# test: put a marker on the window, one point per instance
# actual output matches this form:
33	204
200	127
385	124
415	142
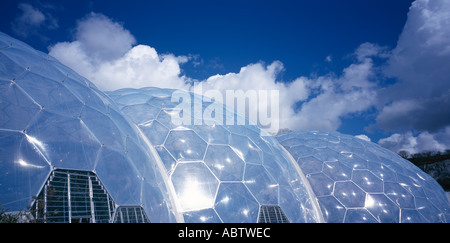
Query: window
130	214
271	214
71	196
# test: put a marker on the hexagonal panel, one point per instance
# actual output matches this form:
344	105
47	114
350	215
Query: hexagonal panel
367	181
22	171
337	171
245	149
106	132
349	194
51	95
141	113
124	189
195	186
321	184
235	204
224	162
154	131
65	141
16	107
185	145
261	185
384	210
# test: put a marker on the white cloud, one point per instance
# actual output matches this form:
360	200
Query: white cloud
309	103
31	20
103	52
420	61
415	144
420	100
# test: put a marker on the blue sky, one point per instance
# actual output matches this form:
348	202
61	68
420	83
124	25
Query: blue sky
359	67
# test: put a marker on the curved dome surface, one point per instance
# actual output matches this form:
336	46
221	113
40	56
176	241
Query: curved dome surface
359	181
51	118
220	173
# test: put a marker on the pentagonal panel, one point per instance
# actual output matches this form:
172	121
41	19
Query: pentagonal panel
185	145
195	186
224	162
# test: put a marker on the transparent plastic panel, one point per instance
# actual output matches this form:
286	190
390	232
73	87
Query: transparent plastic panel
261	185
227	152
235	204
65	141
70	124
23	171
195	186
155	204
9	69
106	132
53	96
16	107
225	163
202	216
185	145
117	174
141	113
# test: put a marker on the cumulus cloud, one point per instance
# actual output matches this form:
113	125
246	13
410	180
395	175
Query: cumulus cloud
104	52
420	62
310	103
32	19
420	100
421	142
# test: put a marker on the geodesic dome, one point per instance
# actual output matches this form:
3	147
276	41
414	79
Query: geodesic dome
359	181
66	150
71	153
220	173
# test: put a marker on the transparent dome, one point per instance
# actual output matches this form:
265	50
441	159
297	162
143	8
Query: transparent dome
359	181
219	173
52	119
